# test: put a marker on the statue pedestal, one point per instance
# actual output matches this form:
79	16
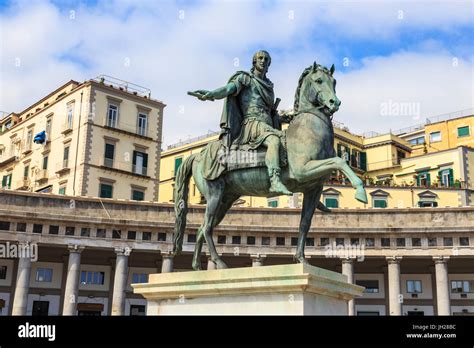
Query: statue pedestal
268	290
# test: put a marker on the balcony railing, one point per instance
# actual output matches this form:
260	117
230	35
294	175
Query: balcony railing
27	146
62	166
66	127
23	183
42	174
139	169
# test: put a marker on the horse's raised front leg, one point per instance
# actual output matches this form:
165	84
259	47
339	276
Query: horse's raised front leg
310	200
315	169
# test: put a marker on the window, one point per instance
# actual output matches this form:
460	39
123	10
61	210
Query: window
21	227
140	162
221	239
26	172
331	202
369	242
137	310
92	278
309	241
236	239
344	152
139	278
112	116
40	308
280	240
100	233
265	240
400	242
70	231
70	115
464	241
446	177
109	155
66	157
161	237
116	234
448	241
44	275
423	179
414	286
29	140
380	202
355	241
7	181
363	161
5	225
385	242
416	242
324	241
355	158
177	163
273	203
138	195
463	131
339	241
37	228
191	238
462	286
142	121
3	272
106	191
53	229
371	286
251	240
432	242
146	236
435	136
294	241
400	156
45	162
49	123
62	190
85	232
427	204
417	141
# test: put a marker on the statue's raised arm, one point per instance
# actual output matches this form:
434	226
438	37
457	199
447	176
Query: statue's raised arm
218	93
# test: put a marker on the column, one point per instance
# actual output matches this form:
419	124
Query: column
120	281
71	291
442	285
394	291
167	262
22	288
257	260
348	270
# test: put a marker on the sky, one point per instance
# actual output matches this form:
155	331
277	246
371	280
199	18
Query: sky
397	62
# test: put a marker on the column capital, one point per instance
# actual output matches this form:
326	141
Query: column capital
393	259
123	251
441	259
349	260
75	248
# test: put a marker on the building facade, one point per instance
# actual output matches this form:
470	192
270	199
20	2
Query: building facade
412	261
101	138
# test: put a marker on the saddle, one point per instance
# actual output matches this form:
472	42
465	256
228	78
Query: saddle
242	158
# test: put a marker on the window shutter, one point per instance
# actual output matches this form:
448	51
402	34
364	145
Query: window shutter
134	158
428	179
451	177
145	160
339	150
177	163
363	161
418	180
4	181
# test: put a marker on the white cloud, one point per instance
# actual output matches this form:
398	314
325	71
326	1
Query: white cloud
172	55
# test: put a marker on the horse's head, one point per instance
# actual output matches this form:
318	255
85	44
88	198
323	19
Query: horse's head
317	89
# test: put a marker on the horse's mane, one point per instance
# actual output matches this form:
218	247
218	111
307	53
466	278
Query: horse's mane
300	83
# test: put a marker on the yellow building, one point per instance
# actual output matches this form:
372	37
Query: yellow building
394	176
102	138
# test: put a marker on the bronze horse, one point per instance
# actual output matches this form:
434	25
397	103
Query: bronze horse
311	159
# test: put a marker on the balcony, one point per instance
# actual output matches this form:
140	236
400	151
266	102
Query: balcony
7	158
27	147
42	175
23	184
62	167
140	170
66	128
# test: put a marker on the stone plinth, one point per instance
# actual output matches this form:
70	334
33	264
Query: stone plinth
268	290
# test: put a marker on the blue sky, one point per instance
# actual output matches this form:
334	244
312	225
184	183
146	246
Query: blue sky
415	52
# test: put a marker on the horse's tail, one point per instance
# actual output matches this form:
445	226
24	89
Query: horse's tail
180	194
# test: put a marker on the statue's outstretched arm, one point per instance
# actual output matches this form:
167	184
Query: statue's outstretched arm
218	93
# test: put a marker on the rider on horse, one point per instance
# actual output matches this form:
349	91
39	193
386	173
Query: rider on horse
249	118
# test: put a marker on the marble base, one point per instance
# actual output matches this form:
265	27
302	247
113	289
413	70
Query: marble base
295	289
